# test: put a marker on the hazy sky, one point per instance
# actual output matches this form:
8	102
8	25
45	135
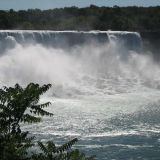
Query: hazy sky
46	4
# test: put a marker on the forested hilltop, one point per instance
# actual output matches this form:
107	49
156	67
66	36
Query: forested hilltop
90	18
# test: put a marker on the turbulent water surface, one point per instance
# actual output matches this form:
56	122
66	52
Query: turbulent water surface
106	91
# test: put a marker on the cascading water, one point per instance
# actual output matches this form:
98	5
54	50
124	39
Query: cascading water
105	89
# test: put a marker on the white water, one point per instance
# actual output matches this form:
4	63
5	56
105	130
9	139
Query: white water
103	94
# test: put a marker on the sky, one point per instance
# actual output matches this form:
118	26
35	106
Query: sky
49	4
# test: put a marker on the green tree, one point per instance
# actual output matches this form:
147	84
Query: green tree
19	105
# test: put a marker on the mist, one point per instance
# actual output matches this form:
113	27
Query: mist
86	69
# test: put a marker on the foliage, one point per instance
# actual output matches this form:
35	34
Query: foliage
15	101
14	146
21	105
64	152
93	17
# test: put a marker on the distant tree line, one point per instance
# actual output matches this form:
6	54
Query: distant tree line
89	18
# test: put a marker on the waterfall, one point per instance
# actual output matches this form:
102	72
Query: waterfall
65	39
105	88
